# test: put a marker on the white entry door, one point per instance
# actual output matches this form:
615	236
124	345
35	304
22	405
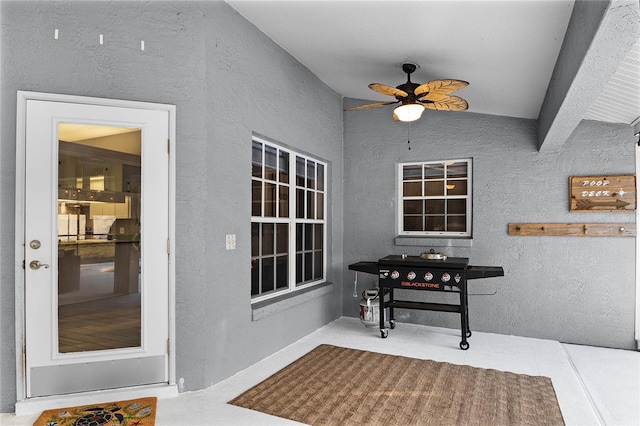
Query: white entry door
96	238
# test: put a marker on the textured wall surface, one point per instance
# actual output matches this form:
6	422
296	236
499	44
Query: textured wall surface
578	290
227	80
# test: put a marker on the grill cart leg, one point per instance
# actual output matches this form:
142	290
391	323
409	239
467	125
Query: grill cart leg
464	318
383	331
392	317
466	309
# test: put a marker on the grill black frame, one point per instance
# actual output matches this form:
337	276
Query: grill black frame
395	272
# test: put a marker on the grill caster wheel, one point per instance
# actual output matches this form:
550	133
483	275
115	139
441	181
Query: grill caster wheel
464	345
392	324
384	333
468	333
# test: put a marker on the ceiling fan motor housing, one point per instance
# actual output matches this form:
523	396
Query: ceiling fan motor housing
409	67
409	87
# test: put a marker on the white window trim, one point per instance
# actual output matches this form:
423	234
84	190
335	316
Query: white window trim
292	220
437	234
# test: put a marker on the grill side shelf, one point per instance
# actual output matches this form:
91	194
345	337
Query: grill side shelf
475	272
366	267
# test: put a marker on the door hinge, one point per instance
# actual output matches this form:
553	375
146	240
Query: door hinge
24	264
168	146
168	346
169	247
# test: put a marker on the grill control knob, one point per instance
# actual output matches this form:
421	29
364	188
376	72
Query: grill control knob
395	275
446	277
411	275
428	276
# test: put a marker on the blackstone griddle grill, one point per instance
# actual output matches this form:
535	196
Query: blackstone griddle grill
447	274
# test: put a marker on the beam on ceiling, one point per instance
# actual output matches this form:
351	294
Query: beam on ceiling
598	38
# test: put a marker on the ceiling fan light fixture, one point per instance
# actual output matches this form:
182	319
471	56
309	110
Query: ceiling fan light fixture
408	112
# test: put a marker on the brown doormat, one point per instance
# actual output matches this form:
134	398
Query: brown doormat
338	386
138	412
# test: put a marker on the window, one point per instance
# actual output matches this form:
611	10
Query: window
435	198
288	225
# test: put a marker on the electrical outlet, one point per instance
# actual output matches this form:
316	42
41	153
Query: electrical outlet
230	242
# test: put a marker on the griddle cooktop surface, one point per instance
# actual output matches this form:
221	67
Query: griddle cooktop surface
419	262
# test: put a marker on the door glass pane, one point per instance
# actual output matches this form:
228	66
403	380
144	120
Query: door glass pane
99	193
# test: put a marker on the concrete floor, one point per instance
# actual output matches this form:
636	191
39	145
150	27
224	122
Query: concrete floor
594	386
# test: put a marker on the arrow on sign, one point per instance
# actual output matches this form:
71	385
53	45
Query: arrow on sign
588	204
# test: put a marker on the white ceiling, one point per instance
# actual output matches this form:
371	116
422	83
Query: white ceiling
506	50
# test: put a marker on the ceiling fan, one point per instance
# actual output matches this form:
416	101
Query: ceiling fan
414	98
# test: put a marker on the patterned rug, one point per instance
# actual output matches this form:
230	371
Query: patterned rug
134	412
338	386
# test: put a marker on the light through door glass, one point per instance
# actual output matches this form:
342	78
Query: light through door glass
99	192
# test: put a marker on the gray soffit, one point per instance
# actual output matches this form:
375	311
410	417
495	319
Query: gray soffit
619	102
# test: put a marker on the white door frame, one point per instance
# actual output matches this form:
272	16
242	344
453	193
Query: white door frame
22	407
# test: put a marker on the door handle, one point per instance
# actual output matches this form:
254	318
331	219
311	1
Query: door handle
35	265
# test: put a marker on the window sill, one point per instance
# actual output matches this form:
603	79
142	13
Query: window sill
433	241
264	308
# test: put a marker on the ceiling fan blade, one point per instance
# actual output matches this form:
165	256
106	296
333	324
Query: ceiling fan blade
440	87
446	103
369	106
388	90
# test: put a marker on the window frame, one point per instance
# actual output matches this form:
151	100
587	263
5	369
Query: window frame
291	219
401	232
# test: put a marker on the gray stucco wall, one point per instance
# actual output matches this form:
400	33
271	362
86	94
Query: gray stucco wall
578	289
227	80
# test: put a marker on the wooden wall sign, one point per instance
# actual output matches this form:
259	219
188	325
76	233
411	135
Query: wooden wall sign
602	193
